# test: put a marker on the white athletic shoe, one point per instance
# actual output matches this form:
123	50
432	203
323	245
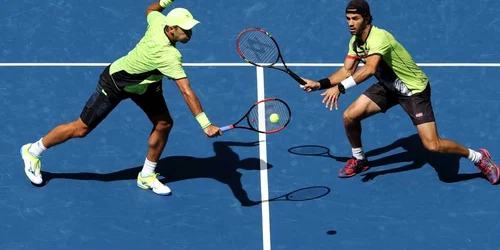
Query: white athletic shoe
151	182
32	165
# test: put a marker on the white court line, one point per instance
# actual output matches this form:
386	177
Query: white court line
67	64
264	187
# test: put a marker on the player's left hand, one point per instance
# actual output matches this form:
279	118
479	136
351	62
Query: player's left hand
331	97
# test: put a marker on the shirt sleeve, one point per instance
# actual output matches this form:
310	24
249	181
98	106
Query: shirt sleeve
154	16
351	53
379	45
170	65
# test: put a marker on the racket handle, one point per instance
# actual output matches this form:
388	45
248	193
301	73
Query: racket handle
296	77
226	128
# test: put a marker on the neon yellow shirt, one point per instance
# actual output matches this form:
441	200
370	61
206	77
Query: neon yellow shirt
397	69
151	59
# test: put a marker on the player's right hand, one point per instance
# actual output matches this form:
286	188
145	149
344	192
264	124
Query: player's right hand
310	85
212	131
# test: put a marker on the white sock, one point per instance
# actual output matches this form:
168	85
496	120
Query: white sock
358	153
37	148
474	156
148	168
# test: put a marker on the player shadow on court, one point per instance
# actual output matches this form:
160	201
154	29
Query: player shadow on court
446	166
416	155
223	167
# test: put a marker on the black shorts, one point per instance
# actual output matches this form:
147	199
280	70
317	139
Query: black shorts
107	96
417	106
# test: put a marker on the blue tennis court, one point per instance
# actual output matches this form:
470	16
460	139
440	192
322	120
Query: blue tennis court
228	192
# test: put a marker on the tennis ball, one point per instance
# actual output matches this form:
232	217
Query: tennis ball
274	118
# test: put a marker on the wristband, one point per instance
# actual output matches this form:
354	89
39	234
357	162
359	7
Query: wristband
348	83
203	120
324	83
165	3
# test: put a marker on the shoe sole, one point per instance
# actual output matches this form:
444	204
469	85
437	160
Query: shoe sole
348	176
144	187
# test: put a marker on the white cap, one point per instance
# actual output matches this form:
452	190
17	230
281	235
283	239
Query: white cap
181	17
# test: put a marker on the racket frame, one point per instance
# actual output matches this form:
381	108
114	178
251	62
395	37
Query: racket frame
235	125
279	58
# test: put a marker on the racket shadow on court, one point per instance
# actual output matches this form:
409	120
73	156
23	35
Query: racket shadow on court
224	166
303	194
415	156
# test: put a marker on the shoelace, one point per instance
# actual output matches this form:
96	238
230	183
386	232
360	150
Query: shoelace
484	167
352	163
156	183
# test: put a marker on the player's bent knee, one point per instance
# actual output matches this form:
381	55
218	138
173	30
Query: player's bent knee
433	145
80	130
164	126
350	116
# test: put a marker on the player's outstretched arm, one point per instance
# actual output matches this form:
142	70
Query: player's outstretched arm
349	67
196	108
331	96
368	70
158	6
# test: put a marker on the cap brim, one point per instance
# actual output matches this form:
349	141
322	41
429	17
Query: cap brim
189	24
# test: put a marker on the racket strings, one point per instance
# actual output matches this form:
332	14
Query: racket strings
258	48
268	108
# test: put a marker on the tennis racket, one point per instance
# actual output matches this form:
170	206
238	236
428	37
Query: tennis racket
315	150
304	194
256	46
258	116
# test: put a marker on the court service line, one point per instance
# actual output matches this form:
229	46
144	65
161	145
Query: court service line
67	64
264	186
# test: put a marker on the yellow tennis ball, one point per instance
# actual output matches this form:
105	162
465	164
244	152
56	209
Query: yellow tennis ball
274	118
